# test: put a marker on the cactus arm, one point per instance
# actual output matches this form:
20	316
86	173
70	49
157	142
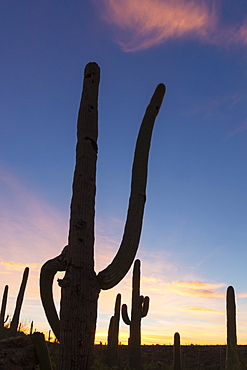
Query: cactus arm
125	314
145	307
48	271
114	273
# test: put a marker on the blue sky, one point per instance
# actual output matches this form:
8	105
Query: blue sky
194	236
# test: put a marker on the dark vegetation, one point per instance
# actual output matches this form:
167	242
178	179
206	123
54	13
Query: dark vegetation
155	357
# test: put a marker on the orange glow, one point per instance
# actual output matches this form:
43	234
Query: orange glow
200	309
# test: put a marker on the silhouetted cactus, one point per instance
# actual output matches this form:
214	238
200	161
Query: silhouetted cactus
31	328
232	358
3	306
140	306
81	286
3	310
41	351
113	332
177	353
15	320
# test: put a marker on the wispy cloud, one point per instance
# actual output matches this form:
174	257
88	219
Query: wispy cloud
200	309
199	289
239	130
141	24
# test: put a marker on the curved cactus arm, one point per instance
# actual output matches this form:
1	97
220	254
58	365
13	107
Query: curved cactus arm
48	271
140	303
114	273
125	314
145	307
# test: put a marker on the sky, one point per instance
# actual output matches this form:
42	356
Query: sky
194	236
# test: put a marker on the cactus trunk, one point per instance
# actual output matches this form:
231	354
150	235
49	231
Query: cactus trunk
177	353
3	306
80	288
232	358
15	320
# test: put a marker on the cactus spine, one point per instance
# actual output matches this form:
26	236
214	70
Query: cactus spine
15	320
81	286
140	306
113	332
232	359
177	353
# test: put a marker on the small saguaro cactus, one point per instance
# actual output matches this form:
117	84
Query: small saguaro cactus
81	286
113	332
232	358
3	310
177	353
140	306
15	320
3	306
31	328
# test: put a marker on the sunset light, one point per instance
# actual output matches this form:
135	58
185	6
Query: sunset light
193	240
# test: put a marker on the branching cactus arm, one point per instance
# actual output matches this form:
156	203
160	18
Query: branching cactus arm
120	265
145	307
48	271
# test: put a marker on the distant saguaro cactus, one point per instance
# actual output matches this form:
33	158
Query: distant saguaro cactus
3	310
177	353
3	306
140	306
113	332
232	358
81	286
15	320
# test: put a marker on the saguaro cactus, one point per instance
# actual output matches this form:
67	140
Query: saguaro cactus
15	320
3	306
81	286
140	306
113	332
177	353
232	358
3	310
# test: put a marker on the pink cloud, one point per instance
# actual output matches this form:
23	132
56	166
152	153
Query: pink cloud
141	24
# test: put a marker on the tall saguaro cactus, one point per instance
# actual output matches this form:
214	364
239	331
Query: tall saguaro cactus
81	286
140	306
232	358
113	332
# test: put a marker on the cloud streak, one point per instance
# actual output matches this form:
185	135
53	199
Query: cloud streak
141	24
